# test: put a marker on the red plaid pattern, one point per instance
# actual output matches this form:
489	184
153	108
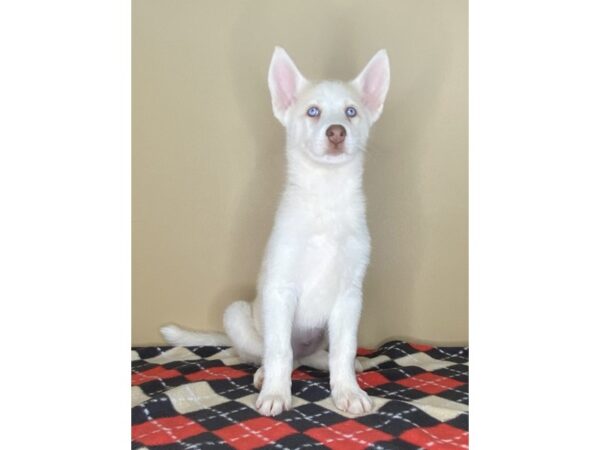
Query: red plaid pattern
348	435
254	433
165	430
189	398
430	383
440	437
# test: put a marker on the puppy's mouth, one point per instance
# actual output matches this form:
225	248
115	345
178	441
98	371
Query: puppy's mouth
331	153
334	155
335	149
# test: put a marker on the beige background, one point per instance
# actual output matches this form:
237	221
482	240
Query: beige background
208	161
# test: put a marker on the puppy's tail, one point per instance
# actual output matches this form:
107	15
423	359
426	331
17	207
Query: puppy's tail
175	335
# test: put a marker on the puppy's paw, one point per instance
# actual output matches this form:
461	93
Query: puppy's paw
358	367
273	403
351	399
259	376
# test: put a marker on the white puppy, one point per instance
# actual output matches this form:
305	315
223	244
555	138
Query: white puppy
309	292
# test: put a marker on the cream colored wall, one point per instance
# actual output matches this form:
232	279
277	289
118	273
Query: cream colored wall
208	160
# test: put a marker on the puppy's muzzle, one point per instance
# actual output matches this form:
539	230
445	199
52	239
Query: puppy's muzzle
336	134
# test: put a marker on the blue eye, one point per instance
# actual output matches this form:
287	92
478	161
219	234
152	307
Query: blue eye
313	111
350	111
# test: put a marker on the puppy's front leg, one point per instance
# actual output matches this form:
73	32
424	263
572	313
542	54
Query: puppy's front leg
278	306
343	329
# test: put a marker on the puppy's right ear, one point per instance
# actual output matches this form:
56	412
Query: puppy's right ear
285	82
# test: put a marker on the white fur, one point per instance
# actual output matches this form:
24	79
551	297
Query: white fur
310	287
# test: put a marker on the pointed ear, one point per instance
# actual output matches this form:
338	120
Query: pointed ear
373	83
285	82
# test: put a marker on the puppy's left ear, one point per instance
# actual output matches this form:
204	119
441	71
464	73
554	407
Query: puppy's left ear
285	82
373	83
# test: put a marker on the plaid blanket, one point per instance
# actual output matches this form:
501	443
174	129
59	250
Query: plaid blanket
186	398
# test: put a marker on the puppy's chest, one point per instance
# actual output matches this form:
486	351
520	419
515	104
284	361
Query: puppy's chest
328	241
327	263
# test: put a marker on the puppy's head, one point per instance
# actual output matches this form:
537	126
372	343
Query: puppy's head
328	121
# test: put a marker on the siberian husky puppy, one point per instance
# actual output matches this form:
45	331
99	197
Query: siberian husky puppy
309	292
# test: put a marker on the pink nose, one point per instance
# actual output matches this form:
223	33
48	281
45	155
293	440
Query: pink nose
336	134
